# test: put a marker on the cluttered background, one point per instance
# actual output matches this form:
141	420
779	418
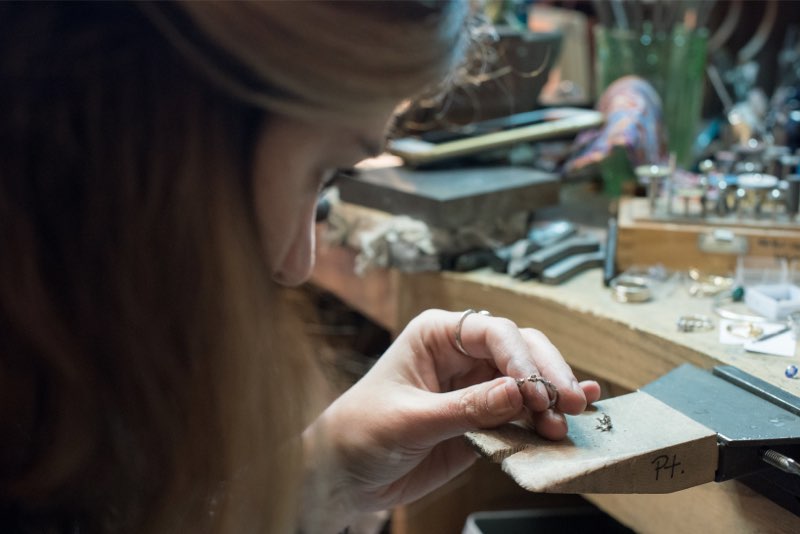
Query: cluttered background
643	137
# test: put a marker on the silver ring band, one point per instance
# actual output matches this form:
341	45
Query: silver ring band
630	289
464	315
722	300
695	323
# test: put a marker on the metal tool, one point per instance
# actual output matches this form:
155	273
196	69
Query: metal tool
511	259
782	462
570	266
547	256
543	234
654	176
757	426
610	260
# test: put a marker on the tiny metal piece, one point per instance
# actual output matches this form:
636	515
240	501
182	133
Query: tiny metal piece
695	323
604	423
653	175
746	330
707	285
552	390
464	315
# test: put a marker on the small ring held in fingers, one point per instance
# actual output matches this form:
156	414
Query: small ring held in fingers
552	390
464	315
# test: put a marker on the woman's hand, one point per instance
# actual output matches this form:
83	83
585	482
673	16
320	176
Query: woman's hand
397	434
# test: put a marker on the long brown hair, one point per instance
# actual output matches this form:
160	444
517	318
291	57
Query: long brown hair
147	381
141	367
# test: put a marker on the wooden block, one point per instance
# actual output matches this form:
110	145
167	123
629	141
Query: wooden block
650	448
643	240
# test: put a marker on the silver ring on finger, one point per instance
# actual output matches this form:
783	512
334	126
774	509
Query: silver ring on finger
467	313
552	390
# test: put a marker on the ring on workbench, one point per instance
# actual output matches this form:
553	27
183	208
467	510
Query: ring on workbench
552	390
629	288
695	323
464	315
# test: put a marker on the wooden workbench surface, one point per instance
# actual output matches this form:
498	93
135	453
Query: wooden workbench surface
628	345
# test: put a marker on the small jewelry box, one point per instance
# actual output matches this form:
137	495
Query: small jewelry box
773	301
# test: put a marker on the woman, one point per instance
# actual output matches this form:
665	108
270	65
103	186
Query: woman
159	168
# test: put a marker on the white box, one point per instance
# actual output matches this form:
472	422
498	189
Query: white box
773	301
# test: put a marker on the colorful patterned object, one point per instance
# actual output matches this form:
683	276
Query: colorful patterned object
633	121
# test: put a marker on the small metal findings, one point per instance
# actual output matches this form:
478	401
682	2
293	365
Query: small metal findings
791	371
653	176
745	329
695	323
707	285
604	423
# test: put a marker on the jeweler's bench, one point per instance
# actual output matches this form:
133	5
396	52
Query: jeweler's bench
624	345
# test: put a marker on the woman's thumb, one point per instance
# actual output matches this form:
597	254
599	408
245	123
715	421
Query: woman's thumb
483	405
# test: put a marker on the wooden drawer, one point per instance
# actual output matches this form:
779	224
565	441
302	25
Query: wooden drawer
708	244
